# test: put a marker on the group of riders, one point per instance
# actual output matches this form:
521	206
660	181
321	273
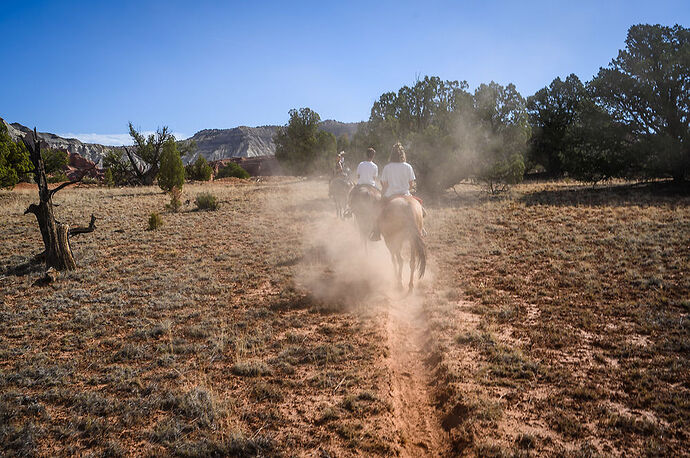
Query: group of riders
397	179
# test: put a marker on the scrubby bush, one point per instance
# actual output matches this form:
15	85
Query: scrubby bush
55	160
206	201
233	170
199	170
58	177
155	221
171	173
175	200
499	175
108	179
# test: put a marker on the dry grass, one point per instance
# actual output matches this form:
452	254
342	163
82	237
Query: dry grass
557	325
188	340
568	307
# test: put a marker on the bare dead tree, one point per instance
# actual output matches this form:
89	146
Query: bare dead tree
57	253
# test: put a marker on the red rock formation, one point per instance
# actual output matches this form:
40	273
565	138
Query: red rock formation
78	164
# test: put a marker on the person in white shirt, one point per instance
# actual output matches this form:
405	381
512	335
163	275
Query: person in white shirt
367	171
397	179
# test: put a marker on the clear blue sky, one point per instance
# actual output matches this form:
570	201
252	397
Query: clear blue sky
89	67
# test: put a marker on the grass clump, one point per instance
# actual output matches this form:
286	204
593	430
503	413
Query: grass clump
206	201
201	406
251	368
155	221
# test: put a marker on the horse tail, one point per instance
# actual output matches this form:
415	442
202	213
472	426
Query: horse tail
420	251
417	245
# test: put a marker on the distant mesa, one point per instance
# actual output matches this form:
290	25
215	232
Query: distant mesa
213	144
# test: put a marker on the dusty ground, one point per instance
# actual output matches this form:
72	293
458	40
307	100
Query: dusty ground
552	321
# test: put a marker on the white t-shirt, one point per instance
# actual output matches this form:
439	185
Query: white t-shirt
367	171
398	176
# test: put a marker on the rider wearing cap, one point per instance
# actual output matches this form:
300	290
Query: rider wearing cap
339	164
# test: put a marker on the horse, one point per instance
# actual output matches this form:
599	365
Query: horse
402	221
339	190
364	203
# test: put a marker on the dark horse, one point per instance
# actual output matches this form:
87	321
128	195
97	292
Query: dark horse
364	203
338	190
402	220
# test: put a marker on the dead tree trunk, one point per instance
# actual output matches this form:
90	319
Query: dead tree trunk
58	253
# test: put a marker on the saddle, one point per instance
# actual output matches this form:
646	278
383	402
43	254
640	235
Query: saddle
385	200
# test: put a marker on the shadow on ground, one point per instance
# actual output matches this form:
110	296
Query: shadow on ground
637	194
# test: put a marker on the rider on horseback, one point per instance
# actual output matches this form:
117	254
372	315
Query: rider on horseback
367	171
397	179
339	168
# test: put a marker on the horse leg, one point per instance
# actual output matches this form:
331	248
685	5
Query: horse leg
413	261
399	258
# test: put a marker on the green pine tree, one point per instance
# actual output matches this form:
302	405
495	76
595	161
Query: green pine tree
171	173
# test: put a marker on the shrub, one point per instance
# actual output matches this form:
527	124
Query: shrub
171	172
233	170
108	179
175	201
55	160
14	159
498	176
199	170
206	201
58	177
155	221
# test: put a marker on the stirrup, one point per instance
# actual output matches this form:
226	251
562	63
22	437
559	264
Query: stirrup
375	236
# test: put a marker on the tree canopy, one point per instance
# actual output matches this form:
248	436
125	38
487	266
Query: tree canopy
647	89
199	170
552	111
140	164
301	147
14	159
451	134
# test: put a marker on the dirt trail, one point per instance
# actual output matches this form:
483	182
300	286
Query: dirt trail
415	416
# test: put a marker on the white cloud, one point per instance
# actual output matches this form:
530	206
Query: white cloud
112	139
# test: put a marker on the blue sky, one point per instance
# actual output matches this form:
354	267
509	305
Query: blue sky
86	68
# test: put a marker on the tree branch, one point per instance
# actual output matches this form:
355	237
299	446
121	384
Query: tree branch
139	173
83	230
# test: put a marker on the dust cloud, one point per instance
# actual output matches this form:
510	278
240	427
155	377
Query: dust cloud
337	269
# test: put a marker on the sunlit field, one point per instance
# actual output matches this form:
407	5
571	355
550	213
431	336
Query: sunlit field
553	320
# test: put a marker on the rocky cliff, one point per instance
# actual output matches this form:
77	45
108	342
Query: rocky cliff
213	144
90	151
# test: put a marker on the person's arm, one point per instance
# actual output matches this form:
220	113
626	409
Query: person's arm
384	186
412	179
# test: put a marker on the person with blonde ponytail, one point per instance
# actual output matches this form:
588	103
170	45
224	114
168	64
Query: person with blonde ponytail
397	179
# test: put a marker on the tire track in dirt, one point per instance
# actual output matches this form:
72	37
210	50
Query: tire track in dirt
414	414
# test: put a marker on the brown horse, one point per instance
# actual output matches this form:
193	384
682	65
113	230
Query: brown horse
402	221
338	190
365	203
